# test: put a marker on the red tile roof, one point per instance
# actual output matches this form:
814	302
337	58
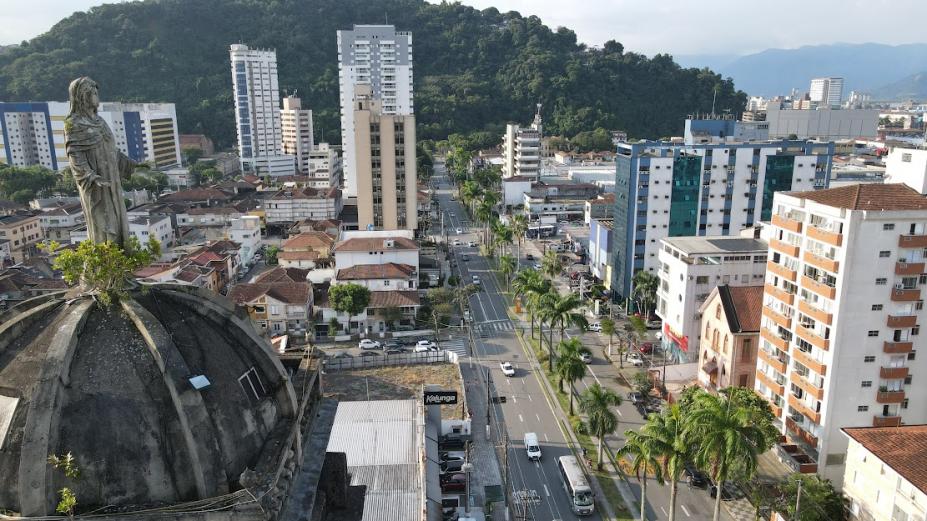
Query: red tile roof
387	299
281	274
197	194
742	307
298	255
904	449
375	244
307	240
288	292
888	197
390	270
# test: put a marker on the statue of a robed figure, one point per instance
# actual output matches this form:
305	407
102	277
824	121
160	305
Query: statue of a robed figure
97	165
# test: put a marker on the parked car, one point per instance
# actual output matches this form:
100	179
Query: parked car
529	257
636	397
451	466
595	327
456	242
447	456
370	353
634	359
451	442
465	258
342	354
695	477
729	491
586	357
476	280
646	348
507	368
654	323
453	483
538	266
368	344
423	346
459	231
471	244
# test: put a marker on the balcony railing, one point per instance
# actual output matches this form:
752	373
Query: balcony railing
806	360
780	294
893	373
772	360
784	222
782	271
772	384
815	313
825	236
905	295
800	433
807	386
818	287
912	241
812	338
890	396
795	459
784	247
900	321
894	348
909	268
778	318
821	262
775	340
886	421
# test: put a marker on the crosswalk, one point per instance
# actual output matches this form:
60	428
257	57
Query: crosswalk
456	345
488	329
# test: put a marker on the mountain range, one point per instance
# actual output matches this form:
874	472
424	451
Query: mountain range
886	71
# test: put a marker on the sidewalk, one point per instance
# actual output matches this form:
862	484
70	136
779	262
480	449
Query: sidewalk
483	456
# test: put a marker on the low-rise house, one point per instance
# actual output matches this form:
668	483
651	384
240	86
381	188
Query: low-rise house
375	248
21	283
6	254
885	477
277	303
198	197
373	321
157	226
296	204
306	250
246	231
602	207
24	231
210	216
11	207
730	337
58	223
389	276
329	226
211	266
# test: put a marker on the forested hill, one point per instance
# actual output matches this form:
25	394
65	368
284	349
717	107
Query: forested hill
474	70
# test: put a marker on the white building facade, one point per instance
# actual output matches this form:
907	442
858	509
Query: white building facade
521	149
379	56
690	268
908	166
257	112
297	204
826	91
325	169
296	133
246	231
841	318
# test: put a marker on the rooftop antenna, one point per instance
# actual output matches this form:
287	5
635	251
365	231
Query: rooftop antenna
713	99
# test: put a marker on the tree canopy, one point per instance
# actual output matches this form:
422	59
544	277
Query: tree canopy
349	298
474	70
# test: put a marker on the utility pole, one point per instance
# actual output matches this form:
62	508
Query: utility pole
488	395
798	501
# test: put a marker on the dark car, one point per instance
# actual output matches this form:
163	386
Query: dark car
453	465
636	397
370	353
529	257
695	477
729	491
646	348
449	442
393	347
454	483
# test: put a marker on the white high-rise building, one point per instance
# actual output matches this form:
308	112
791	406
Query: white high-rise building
379	56
826	91
33	132
841	318
521	149
297	135
257	112
324	167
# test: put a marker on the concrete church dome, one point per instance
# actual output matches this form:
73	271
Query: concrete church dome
122	389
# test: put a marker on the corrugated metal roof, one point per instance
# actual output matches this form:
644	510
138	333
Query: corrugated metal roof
383	441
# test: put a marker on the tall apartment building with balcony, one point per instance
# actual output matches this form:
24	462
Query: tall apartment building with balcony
665	189
381	57
841	318
296	135
521	149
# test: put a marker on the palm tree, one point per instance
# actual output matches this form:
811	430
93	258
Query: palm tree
504	236
727	434
668	429
551	265
570	366
594	403
484	214
608	328
634	329
507	265
519	227
642	449
645	286
526	284
469	193
562	312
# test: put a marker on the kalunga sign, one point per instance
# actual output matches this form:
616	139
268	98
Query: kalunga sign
440	397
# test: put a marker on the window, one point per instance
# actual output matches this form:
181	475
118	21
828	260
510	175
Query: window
881	281
867	383
888	226
877	307
912	355
908	379
862	408
718	311
916	330
885	253
904	403
252	386
869	359
873	332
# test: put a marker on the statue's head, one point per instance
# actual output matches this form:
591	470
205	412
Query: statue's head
84	96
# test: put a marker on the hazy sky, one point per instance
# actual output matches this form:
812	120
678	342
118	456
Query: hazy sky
676	26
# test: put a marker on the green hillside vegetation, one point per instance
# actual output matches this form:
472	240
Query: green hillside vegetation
474	70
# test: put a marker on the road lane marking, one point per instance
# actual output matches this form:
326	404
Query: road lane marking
521	419
686	511
546	491
546	438
529	398
537	464
664	511
618	411
514	399
538	416
594	376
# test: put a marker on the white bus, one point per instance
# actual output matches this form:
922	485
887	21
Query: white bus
576	485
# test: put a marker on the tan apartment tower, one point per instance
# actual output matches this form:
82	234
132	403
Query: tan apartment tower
385	160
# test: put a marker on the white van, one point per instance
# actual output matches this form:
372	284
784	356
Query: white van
532	446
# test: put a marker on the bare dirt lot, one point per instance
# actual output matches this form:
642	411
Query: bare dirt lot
395	383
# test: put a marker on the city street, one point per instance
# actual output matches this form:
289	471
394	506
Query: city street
526	408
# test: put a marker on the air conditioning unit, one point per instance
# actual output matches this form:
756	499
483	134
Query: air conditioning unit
389	243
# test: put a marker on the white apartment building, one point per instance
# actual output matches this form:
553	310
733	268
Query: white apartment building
246	231
886	473
690	268
521	149
257	112
157	226
298	204
32	133
826	91
908	166
376	247
379	56
57	223
296	133
841	318
324	167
